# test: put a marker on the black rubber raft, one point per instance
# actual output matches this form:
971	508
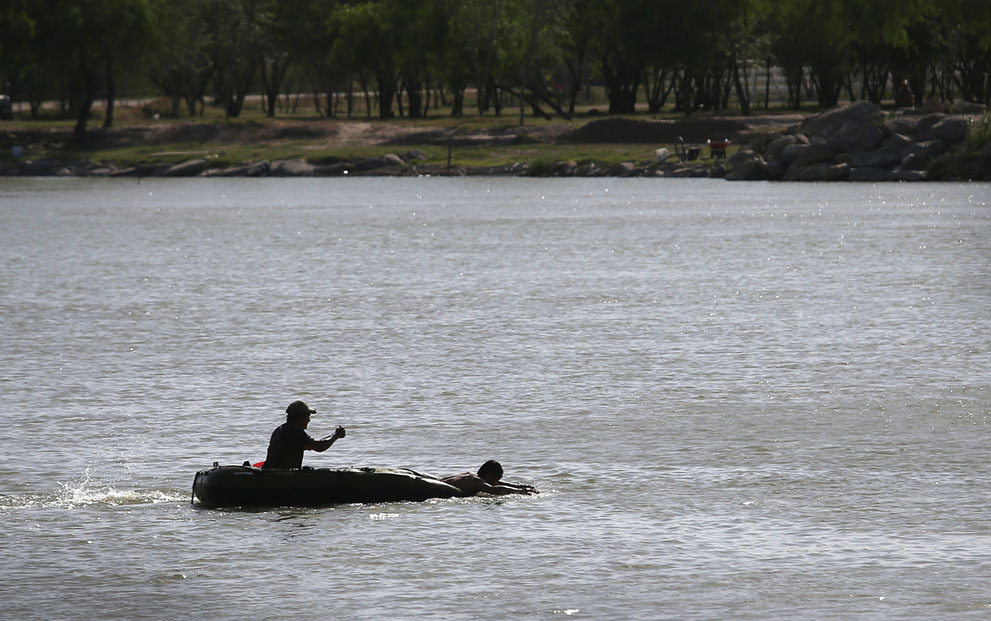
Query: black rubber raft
246	486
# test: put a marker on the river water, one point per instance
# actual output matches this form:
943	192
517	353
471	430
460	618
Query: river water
740	401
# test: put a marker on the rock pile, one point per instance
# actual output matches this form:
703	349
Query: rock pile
856	143
852	143
389	164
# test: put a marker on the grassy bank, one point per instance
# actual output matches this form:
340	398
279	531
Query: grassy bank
141	135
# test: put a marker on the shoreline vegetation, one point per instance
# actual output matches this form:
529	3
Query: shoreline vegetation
860	141
597	88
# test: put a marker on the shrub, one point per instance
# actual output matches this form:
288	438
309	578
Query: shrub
979	133
541	167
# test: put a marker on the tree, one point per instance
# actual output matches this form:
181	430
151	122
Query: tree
539	53
180	65
363	40
420	32
125	26
67	33
579	34
16	32
456	68
966	47
918	59
813	33
94	41
625	34
301	29
273	50
480	37
880	39
234	29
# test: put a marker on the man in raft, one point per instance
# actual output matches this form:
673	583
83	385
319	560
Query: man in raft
488	481
289	440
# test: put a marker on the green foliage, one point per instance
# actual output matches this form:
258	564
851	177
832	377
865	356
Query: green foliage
180	66
538	57
979	134
541	167
17	29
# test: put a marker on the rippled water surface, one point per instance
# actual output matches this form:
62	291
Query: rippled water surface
740	401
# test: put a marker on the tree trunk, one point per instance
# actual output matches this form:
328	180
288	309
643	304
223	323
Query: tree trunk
416	100
458	103
108	119
82	116
272	97
387	92
767	86
85	102
742	86
793	81
272	76
657	92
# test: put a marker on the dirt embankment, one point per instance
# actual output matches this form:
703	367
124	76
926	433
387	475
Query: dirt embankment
330	133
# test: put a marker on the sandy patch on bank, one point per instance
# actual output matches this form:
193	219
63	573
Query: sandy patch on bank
333	133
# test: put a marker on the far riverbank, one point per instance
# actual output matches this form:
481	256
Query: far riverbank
857	142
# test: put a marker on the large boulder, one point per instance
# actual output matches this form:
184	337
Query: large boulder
855	136
150	169
775	170
896	141
856	142
743	154
415	155
952	129
838	172
778	145
291	168
791	152
810	163
818	171
754	169
189	168
870	174
882	158
908	175
41	168
923	129
814	154
829	124
915	161
967	107
252	169
374	163
333	169
902	125
623	169
747	165
96	171
934	148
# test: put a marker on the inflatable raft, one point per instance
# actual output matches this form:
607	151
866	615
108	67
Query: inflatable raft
245	486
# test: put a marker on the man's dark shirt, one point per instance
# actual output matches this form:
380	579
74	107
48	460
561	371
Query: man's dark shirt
285	449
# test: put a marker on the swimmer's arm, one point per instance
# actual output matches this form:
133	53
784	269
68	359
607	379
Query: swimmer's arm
504	488
521	487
